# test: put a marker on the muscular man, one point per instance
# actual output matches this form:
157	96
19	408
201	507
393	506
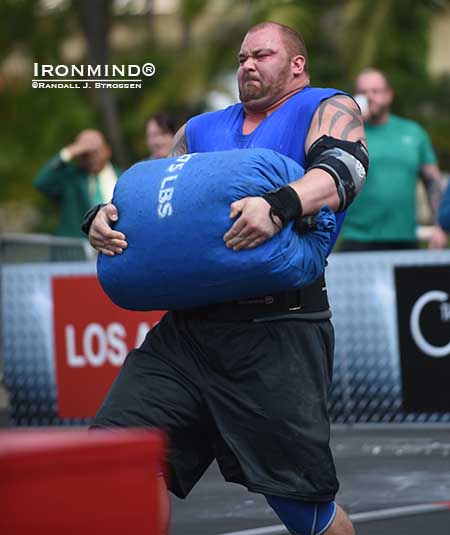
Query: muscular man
384	215
247	384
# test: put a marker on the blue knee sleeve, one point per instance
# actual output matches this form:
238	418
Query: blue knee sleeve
303	518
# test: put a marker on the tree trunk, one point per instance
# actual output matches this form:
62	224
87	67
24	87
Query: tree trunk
94	18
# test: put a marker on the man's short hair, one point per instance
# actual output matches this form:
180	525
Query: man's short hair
293	40
165	121
370	70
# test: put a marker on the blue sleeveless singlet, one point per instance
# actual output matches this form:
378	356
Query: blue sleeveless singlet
284	131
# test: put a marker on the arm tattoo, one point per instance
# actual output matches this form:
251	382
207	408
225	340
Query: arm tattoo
343	118
433	189
321	112
334	120
179	144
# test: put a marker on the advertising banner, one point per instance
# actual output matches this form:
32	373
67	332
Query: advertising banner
92	338
63	340
423	311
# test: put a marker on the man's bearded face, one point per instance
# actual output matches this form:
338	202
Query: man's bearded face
264	70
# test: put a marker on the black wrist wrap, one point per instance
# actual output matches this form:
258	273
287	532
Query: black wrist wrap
284	203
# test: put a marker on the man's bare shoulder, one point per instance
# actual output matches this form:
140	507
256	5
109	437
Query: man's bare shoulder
338	116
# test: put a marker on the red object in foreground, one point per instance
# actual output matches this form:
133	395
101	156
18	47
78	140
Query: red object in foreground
73	482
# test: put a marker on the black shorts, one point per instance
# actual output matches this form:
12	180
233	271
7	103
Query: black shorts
251	395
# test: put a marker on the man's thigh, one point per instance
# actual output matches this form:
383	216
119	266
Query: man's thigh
269	403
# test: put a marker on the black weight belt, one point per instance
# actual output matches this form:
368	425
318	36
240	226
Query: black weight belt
310	303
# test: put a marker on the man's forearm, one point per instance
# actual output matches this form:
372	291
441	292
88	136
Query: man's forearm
315	189
432	181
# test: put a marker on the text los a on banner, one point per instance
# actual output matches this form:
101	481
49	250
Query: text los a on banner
92	337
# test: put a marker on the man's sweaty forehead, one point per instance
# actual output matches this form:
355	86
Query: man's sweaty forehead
264	39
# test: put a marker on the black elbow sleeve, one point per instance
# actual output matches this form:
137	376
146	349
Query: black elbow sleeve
346	161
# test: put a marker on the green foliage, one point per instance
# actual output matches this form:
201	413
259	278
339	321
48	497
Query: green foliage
38	127
36	123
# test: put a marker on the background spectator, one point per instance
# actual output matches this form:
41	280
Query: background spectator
384	214
79	176
159	131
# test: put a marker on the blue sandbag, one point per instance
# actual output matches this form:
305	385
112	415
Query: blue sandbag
174	213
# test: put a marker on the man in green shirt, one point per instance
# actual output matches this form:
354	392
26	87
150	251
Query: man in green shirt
383	215
79	176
